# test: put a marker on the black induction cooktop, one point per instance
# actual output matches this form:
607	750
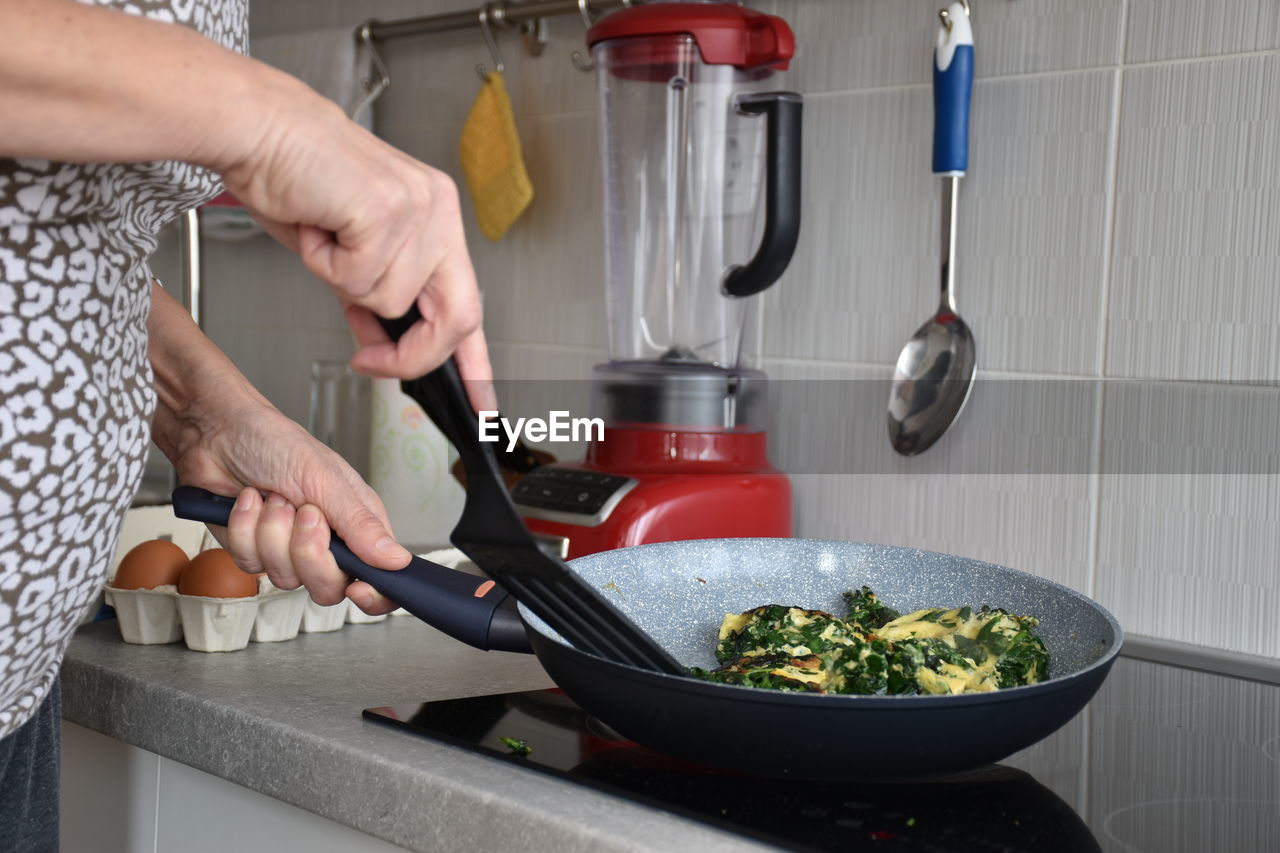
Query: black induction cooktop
1164	759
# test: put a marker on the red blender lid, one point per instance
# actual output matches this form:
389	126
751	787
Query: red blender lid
725	34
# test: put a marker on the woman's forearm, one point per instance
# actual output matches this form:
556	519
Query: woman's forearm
86	84
194	380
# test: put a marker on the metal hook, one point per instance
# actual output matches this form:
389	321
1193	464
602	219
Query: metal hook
581	61
946	17
372	88
489	40
533	35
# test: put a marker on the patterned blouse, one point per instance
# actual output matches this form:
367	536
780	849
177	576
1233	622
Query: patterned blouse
75	384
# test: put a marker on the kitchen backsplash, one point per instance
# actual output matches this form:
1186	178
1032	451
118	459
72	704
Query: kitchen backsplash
1118	264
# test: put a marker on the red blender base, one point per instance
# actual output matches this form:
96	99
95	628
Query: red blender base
639	486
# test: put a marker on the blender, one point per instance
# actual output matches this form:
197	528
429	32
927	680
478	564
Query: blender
701	162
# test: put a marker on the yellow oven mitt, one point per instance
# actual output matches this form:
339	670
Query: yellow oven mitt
492	161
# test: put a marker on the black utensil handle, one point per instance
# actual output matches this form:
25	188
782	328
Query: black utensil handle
785	113
443	396
465	607
518	458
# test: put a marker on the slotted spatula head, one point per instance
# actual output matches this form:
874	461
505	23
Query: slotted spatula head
492	534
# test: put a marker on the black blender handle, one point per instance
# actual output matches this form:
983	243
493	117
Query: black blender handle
468	608
785	113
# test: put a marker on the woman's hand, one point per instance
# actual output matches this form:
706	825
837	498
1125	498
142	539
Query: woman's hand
79	83
222	435
280	524
381	228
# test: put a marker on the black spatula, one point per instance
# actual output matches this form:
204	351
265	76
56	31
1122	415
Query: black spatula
492	534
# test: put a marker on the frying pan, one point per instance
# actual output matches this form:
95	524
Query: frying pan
678	592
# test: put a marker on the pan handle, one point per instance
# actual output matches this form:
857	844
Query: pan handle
474	610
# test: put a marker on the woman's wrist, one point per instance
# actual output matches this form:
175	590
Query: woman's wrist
196	385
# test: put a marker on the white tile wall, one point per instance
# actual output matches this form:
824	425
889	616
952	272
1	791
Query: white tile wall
1031	226
860	44
1119	221
1193	293
1008	484
1176	29
272	318
1188	512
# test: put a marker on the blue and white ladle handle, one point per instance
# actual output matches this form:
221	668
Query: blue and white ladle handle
952	87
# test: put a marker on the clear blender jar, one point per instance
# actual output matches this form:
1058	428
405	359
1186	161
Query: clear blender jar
701	208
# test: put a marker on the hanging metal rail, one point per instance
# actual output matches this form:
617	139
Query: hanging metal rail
501	12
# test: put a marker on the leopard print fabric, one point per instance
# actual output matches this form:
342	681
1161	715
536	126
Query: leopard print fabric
75	385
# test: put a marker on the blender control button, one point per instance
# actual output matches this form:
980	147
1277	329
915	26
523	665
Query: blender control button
549	493
586	498
532	493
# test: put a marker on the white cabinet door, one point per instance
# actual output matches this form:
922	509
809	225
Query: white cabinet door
118	797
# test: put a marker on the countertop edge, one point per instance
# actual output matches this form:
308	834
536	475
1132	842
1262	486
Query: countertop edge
417	794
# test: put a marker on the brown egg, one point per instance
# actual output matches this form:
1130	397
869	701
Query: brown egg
149	565
213	574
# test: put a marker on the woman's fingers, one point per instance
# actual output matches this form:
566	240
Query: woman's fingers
451	314
310	558
369	599
292	547
472	356
272	538
241	539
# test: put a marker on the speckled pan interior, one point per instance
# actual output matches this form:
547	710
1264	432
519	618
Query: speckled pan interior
680	591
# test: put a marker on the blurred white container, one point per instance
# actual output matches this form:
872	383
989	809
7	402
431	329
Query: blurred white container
356	616
320	618
279	614
217	624
146	616
409	463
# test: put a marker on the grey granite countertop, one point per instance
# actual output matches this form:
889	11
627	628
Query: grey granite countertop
284	719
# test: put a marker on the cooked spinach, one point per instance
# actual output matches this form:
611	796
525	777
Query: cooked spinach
866	610
516	745
876	651
774	629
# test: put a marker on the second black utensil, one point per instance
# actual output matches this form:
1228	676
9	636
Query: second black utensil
492	534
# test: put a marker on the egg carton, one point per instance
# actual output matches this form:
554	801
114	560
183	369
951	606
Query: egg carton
163	615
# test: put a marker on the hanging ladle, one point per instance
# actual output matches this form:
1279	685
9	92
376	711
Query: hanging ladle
934	373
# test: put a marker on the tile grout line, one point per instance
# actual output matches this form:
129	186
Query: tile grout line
155	827
987	373
1108	271
1109	217
1095	448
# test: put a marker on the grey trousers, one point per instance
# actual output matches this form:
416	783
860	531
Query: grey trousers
29	761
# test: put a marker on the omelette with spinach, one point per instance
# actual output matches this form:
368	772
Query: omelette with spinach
874	650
